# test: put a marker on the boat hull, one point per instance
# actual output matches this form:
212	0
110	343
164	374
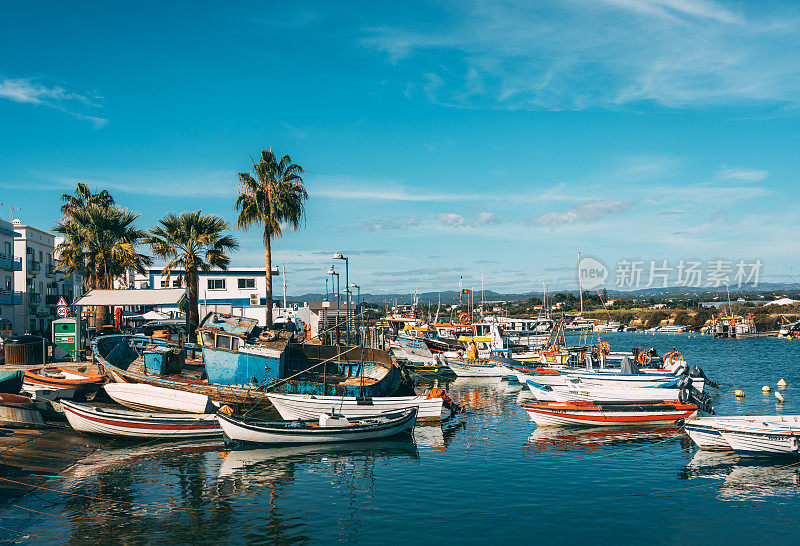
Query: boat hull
476	368
706	432
594	393
566	414
264	433
141	397
293	407
128	424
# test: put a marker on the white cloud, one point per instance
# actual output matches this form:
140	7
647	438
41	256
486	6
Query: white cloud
744	175
451	219
578	54
27	91
585	211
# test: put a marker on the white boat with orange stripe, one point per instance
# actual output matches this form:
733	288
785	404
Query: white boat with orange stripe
612	414
134	424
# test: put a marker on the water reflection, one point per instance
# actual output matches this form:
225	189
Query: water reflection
744	478
574	439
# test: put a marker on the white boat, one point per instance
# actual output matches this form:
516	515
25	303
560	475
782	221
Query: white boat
706	433
607	379
311	406
760	438
40	394
603	393
134	424
613	414
477	368
329	429
141	397
415	351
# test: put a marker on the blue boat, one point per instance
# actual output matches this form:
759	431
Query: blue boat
243	363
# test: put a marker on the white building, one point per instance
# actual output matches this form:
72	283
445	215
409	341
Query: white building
10	298
43	284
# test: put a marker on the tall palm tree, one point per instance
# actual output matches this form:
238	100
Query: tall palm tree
103	239
272	194
192	242
81	200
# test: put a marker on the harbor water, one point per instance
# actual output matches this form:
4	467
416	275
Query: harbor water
487	474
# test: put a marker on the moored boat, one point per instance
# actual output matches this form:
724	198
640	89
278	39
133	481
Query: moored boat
589	392
309	406
58	377
328	430
613	414
760	438
707	434
463	367
141	397
133	424
17	411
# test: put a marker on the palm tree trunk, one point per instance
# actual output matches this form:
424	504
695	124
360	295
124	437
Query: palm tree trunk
268	252
100	311
194	315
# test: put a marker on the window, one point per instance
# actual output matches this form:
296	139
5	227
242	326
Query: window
223	342
176	283
216	284
8	282
163	283
247	283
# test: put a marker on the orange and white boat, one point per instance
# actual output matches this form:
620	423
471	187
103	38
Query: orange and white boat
57	377
612	414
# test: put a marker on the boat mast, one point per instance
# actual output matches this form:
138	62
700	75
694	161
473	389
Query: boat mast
481	292
580	283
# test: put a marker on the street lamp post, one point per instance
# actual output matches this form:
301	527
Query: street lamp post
331	272
339	256
358	308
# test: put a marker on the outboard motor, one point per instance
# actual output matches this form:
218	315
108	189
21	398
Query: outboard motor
696	371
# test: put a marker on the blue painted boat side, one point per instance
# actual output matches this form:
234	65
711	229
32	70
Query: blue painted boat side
229	368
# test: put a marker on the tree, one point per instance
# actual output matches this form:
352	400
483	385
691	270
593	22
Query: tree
272	194
191	242
103	240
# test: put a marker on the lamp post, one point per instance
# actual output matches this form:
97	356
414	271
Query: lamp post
339	256
358	307
331	272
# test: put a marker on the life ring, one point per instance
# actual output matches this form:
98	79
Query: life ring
463	318
644	358
672	355
606	347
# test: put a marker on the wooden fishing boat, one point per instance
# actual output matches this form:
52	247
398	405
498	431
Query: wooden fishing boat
11	382
17	411
604	379
134	424
328	430
707	434
57	377
141	397
463	367
243	378
761	438
427	368
47	394
309	406
613	414
604	393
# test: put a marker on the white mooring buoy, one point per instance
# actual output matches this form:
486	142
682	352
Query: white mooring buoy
781	383
765	388
779	397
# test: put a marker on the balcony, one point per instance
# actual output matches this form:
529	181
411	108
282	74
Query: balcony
34	267
8	297
50	270
10	263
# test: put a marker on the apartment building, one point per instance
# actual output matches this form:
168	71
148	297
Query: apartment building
9	265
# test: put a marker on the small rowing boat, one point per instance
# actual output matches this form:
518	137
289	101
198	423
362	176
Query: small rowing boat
328	430
613	414
761	438
706	433
463	367
57	377
141	397
310	406
134	424
17	411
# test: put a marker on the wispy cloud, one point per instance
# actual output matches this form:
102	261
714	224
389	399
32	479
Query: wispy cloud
28	91
742	174
390	224
587	53
586	211
451	219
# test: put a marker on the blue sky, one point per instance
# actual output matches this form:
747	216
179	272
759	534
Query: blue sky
440	138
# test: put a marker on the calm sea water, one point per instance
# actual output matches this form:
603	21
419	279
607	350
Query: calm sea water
485	475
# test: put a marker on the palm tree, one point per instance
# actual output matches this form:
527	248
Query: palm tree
103	240
272	194
192	242
81	200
